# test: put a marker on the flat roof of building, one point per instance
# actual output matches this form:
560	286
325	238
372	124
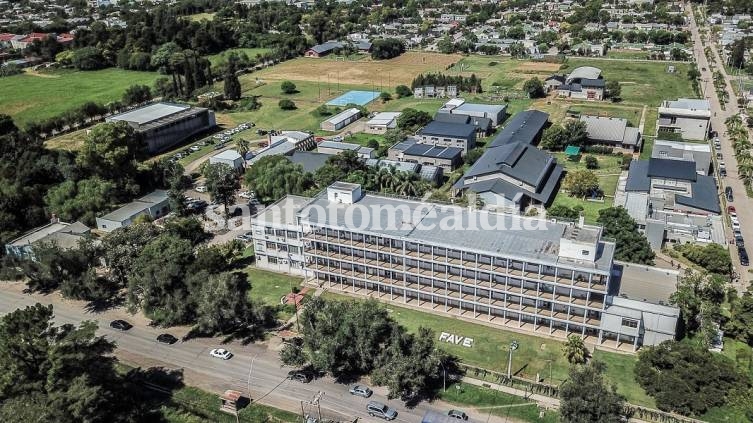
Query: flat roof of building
345	114
231	155
644	283
483	108
383	118
136	206
150	113
443	129
471	230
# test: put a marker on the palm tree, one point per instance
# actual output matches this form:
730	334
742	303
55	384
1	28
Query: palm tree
242	145
575	350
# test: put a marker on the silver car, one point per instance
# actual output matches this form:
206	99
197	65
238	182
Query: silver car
360	391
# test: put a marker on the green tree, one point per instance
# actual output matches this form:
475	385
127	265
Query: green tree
534	88
137	94
591	162
110	151
385	96
581	183
411	120
403	91
286	104
712	257
560	211
81	200
292	355
68	370
575	350
232	86
387	48
614	90
288	87
740	324
699	297
272	177
122	247
586	397
88	58
686	378
222	182
223	304
157	282
630	244
410	364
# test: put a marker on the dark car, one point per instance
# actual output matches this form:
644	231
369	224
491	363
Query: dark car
722	172
743	254
120	325
166	338
300	376
728	193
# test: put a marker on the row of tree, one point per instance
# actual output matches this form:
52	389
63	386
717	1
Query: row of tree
470	84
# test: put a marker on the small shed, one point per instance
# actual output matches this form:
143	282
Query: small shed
230	401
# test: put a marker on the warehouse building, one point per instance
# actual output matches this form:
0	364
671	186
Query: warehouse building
381	122
163	125
552	281
341	120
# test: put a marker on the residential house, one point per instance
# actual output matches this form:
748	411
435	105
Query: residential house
612	132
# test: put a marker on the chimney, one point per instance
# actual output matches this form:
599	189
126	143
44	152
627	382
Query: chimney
54	218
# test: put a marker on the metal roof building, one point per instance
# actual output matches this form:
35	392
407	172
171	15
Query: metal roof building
525	127
154	204
610	131
163	125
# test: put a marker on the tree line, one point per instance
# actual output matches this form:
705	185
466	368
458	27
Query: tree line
470	84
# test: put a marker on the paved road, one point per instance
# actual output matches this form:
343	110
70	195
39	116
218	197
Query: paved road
742	203
268	381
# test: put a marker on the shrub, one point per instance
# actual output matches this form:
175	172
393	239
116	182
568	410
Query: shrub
591	162
287	105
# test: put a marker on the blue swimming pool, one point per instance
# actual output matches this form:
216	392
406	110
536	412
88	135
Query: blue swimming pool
360	98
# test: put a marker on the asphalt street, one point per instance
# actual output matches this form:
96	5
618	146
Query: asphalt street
254	365
742	202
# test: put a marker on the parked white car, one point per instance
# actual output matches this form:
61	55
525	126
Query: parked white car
221	353
201	188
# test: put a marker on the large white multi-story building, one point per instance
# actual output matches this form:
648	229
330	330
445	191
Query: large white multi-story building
548	278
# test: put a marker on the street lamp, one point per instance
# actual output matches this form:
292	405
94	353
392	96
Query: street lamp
513	347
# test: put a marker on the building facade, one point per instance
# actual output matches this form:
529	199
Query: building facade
552	282
443	134
341	120
688	117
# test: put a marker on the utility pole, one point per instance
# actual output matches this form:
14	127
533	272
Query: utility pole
316	400
513	347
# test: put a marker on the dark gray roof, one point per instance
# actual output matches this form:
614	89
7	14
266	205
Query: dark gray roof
524	127
453	130
558	78
519	161
511	191
638	179
310	160
576	88
672	169
404	144
482	123
428	150
704	197
326	47
450	118
598	83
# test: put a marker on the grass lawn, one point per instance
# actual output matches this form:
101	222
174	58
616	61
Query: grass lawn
626	54
269	287
72	141
363	138
648	146
250	52
30	97
652	115
642	82
510	406
632	114
620	372
489	350
608	174
201	17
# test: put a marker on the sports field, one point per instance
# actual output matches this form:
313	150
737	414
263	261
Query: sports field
389	73
36	96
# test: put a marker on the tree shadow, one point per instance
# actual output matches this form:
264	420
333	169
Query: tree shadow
99	306
145	391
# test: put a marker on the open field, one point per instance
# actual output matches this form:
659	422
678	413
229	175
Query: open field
379	73
29	97
250	52
72	141
626	54
642	82
632	114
